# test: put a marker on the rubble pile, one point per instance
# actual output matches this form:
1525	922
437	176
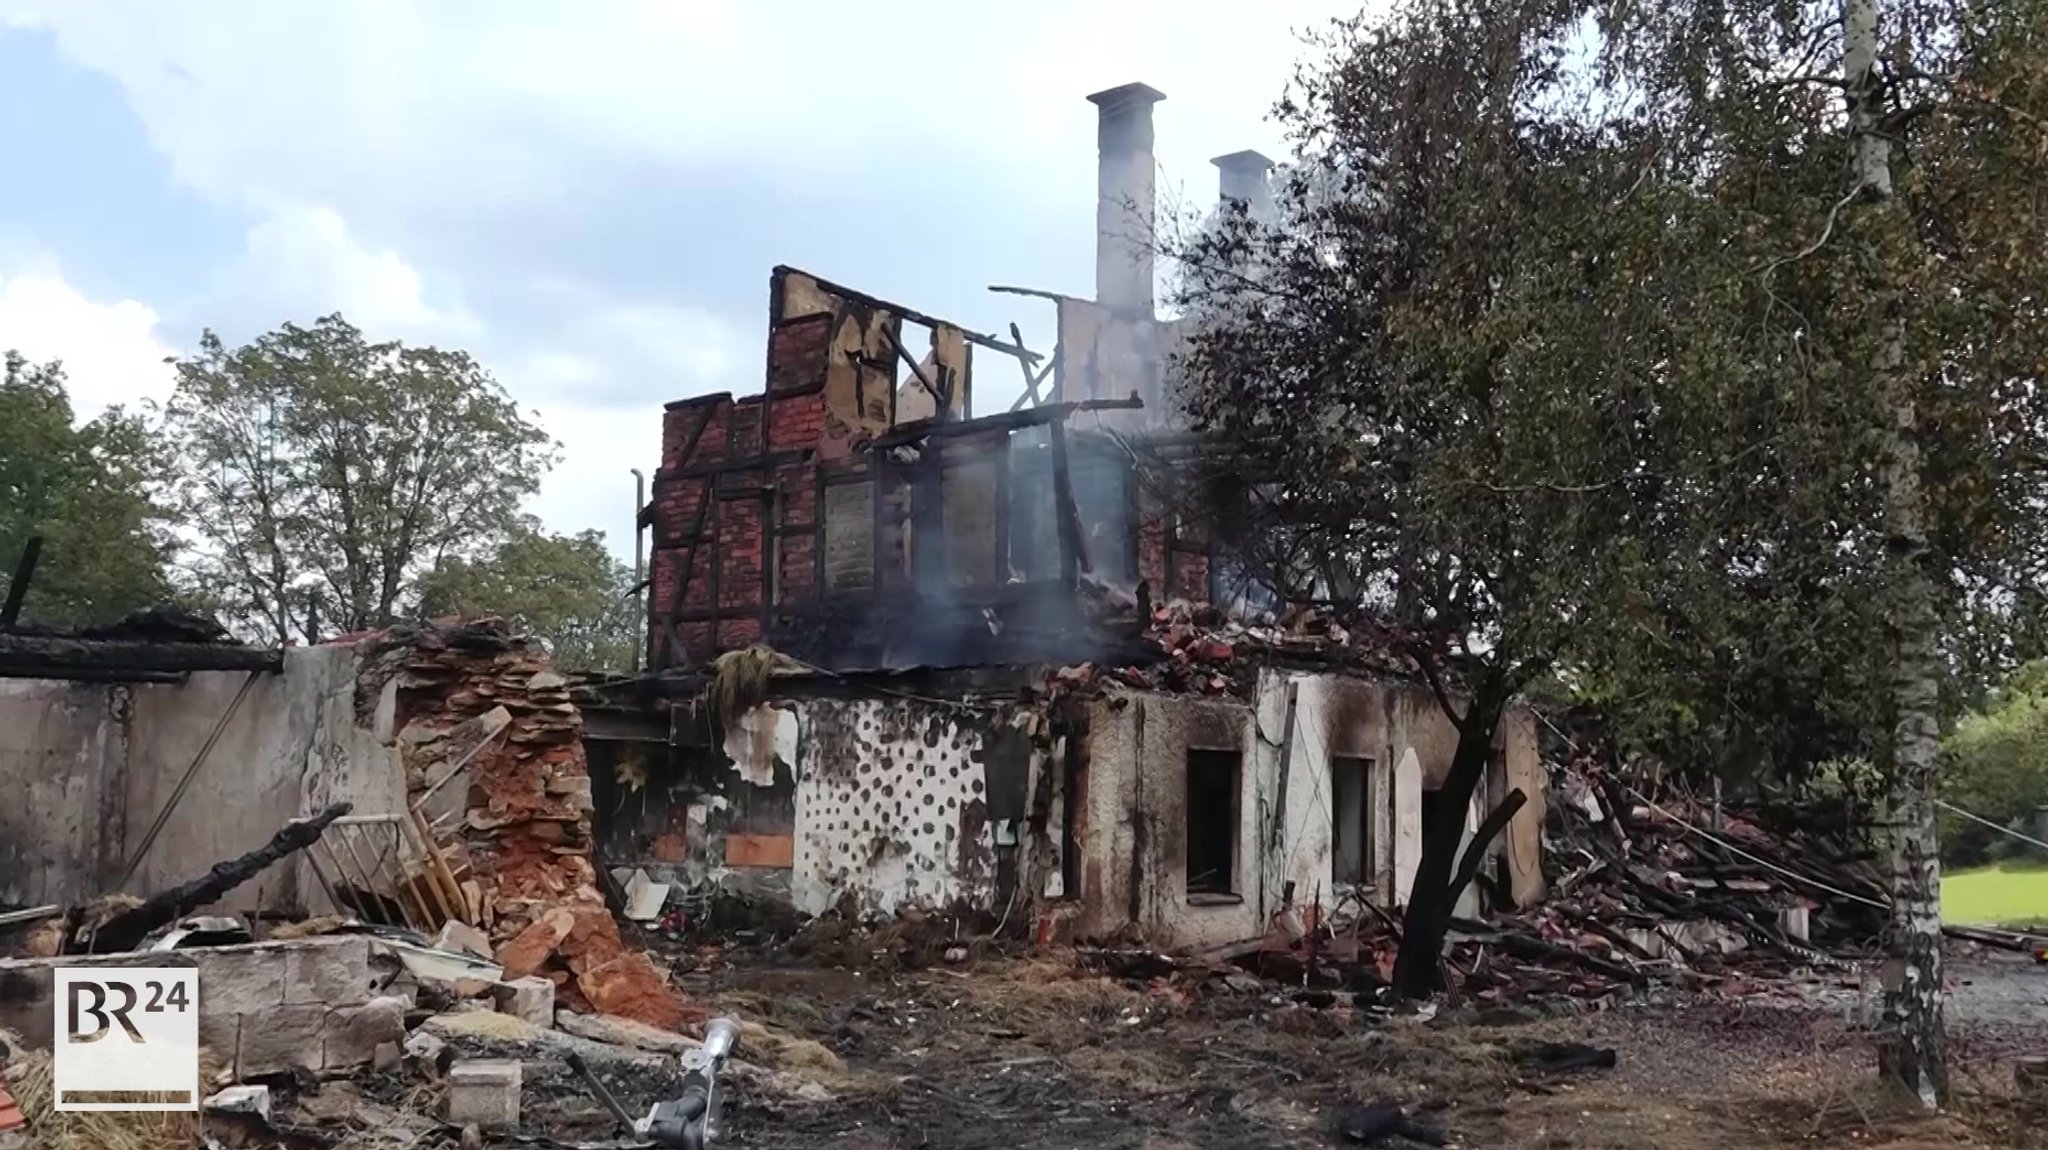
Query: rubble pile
1644	892
1203	648
1674	878
479	705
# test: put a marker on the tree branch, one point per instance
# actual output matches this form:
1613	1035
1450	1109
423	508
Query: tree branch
1475	852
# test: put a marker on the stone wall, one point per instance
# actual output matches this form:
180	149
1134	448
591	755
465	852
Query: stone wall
264	1008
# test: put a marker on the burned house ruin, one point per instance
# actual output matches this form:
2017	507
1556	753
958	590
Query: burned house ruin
904	654
900	654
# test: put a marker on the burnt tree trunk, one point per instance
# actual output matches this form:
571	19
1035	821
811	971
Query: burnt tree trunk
1418	967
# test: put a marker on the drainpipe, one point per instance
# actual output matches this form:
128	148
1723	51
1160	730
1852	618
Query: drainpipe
639	557
1126	199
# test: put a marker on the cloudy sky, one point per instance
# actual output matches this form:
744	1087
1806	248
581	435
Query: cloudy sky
588	196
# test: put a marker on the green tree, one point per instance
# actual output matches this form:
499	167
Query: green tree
325	473
89	491
1995	766
567	589
1607	335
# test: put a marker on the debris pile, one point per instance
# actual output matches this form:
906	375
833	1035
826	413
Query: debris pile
1644	892
475	705
1203	648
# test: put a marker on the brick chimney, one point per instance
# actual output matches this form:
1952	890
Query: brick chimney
1126	199
1241	176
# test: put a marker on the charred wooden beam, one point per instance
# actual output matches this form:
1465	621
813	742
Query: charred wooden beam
1037	293
125	930
1051	413
1073	549
17	590
939	397
59	656
988	341
1482	839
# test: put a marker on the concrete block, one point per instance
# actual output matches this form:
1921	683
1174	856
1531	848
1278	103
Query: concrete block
221	1033
336	973
532	999
233	981
458	937
384	722
281	1039
241	1099
354	1033
484	1091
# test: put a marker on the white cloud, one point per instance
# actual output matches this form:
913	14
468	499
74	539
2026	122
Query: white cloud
442	100
592	486
299	262
605	352
356	131
111	350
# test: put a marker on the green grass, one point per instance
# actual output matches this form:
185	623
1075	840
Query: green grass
2012	894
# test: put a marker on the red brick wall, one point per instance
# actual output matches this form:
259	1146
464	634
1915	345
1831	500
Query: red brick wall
753	468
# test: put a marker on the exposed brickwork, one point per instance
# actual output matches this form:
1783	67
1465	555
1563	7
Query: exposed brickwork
711	445
1153	528
736	633
796	485
799	569
753	469
796	354
742	546
747	428
797	422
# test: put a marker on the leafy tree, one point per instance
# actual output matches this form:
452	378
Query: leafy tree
1423	414
1995	766
1611	335
567	589
326	473
89	492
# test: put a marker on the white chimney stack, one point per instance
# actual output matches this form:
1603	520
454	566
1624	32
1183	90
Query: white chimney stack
1242	177
1126	199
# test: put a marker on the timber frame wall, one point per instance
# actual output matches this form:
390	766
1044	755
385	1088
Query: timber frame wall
810	517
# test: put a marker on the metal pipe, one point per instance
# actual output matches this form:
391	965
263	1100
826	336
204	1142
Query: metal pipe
178	792
639	556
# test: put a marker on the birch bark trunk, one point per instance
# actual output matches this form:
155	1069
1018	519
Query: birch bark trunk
1910	1049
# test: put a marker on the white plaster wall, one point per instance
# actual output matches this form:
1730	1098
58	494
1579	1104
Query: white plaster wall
889	807
85	770
1132	836
62	751
1408	778
1132	813
1335	715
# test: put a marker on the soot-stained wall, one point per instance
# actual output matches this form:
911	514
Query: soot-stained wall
894	805
1132	833
880	803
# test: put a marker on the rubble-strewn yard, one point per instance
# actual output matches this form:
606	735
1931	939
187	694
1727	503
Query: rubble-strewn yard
1034	1053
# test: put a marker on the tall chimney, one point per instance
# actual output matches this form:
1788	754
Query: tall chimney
1126	199
1241	176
